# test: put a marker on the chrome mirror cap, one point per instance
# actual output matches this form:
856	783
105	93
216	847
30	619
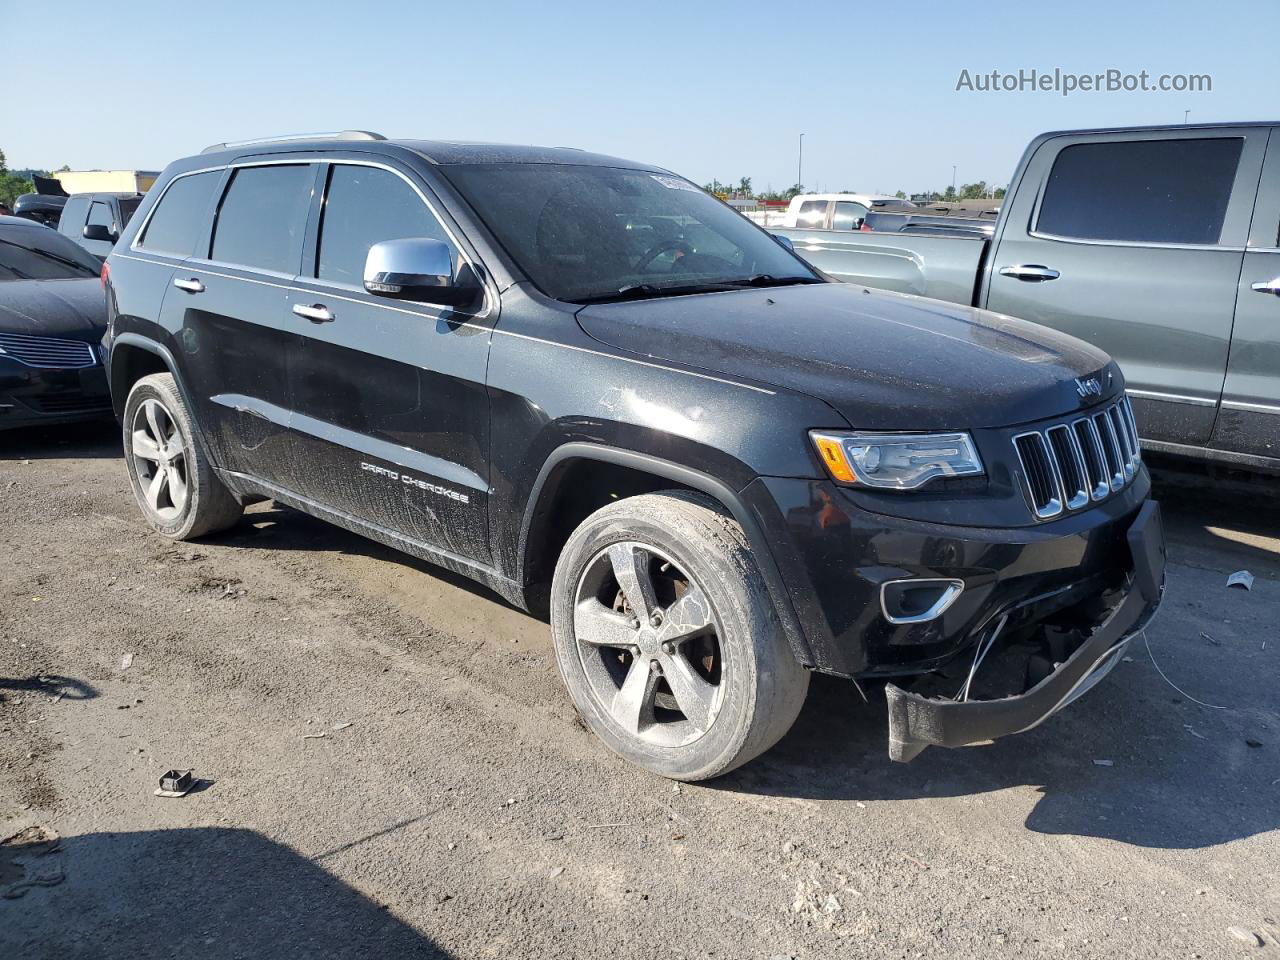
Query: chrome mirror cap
414	268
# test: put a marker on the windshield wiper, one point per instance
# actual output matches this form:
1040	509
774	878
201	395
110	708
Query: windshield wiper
647	291
769	280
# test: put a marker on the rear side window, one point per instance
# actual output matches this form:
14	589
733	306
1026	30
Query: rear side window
848	216
812	213
1142	191
127	208
363	206
263	216
73	214
179	217
100	214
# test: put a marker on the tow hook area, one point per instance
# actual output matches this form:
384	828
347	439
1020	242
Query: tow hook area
1061	665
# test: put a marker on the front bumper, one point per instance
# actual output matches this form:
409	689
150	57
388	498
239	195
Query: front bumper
30	396
916	722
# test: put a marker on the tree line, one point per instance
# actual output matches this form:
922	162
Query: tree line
741	189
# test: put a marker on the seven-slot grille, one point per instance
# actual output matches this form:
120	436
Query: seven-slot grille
47	351
1068	465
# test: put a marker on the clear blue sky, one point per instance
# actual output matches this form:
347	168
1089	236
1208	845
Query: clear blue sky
709	90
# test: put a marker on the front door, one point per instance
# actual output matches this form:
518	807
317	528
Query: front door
1134	243
1249	421
391	414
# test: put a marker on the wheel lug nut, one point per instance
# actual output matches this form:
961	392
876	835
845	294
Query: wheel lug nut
655	666
668	647
655	618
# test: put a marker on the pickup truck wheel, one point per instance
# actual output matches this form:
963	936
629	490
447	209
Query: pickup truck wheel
172	480
667	639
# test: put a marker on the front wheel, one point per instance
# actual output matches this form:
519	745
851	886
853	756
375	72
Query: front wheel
667	639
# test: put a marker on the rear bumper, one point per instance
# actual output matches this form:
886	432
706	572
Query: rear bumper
916	722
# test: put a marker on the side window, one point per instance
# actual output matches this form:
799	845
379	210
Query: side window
848	216
363	206
1141	191
74	212
263	216
179	216
812	213
100	213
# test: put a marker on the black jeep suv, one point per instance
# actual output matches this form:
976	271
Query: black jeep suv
589	385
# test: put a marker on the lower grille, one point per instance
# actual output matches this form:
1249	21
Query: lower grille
47	352
1066	466
69	403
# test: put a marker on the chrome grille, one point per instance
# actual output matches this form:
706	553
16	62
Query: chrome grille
47	351
1066	466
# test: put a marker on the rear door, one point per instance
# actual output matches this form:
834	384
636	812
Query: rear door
229	308
1134	243
71	223
391	409
1249	421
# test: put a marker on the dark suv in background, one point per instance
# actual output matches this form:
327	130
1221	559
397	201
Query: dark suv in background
593	387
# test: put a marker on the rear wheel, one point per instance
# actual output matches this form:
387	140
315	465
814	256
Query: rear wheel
172	480
667	640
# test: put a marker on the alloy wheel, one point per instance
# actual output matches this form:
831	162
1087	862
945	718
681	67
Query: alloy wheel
159	459
647	639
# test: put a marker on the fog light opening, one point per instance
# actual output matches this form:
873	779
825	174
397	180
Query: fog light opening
918	601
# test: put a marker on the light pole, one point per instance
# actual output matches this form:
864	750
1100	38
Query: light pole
800	164
953	179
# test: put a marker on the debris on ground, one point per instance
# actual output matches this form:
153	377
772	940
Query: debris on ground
315	736
1104	763
126	661
1246	936
341	726
1205	636
1242	579
1191	730
556	872
1253	742
175	783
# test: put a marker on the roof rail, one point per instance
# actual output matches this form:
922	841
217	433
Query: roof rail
338	135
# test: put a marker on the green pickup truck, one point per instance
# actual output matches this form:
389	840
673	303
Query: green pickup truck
1161	245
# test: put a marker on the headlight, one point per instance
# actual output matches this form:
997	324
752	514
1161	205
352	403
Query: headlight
896	461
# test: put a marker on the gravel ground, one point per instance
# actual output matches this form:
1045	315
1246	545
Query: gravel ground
389	768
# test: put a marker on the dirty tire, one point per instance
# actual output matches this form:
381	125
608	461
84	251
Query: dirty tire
761	685
196	502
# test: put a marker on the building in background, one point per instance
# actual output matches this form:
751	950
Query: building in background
106	181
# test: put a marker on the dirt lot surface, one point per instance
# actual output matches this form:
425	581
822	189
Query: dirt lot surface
389	768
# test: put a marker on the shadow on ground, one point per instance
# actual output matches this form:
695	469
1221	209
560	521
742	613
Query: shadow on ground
207	892
92	440
64	688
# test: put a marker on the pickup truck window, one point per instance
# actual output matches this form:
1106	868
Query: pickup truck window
364	206
1141	191
586	232
179	215
848	216
100	214
72	220
262	218
812	213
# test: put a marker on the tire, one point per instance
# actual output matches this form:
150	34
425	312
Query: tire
713	612
173	482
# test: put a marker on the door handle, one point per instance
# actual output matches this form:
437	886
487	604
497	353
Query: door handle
1267	286
190	286
316	313
1030	272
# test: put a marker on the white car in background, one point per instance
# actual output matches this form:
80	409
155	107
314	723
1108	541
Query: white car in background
839	211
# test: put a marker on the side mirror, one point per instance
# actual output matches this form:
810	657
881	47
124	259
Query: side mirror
786	242
98	231
418	269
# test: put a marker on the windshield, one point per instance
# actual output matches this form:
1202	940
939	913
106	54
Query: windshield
586	233
39	253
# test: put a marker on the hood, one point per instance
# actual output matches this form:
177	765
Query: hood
74	309
885	361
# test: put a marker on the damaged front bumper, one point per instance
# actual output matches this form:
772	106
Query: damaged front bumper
916	722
